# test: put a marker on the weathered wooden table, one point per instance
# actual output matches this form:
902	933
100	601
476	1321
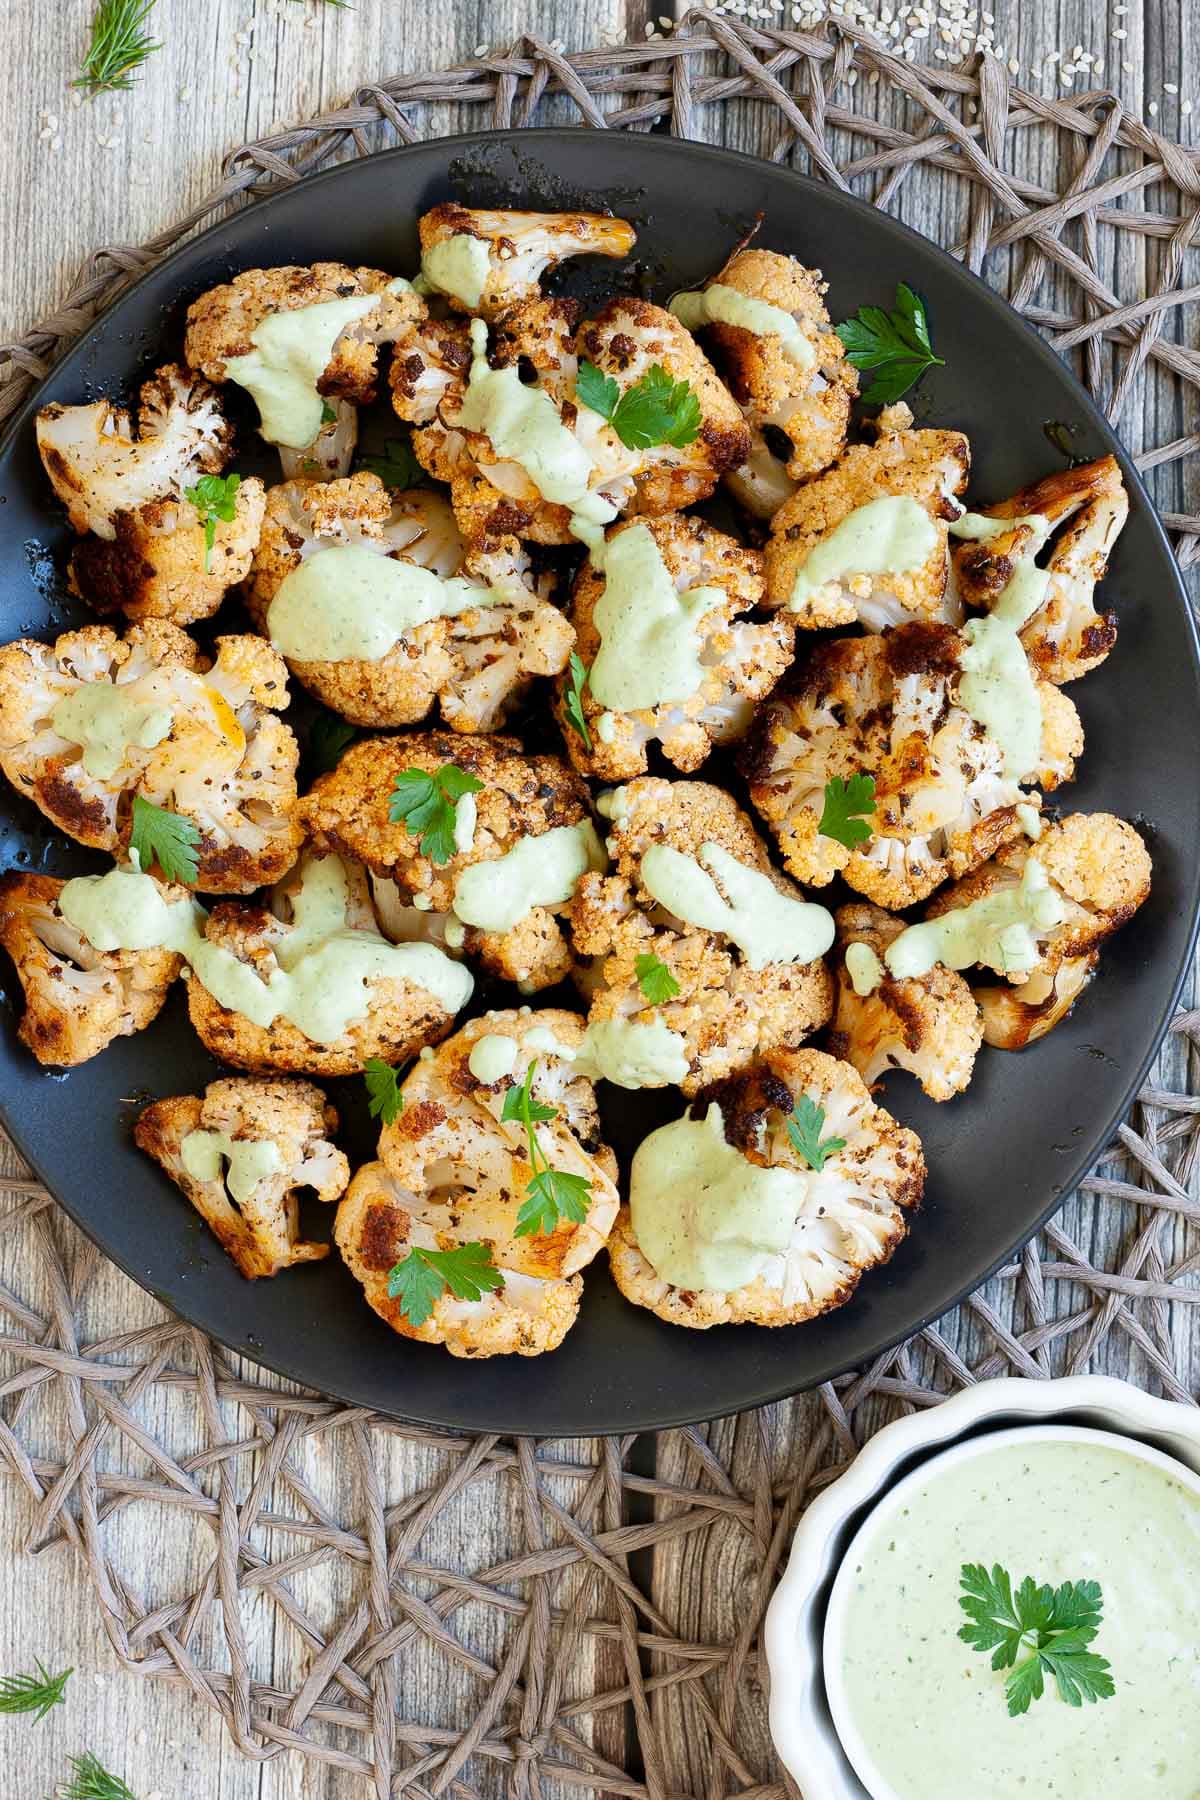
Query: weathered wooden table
79	175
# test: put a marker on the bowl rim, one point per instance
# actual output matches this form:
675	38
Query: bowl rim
801	1723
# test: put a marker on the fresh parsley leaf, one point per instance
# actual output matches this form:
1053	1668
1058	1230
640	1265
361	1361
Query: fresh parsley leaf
427	805
384	1098
573	698
328	736
424	1275
214	497
845	804
118	46
91	1781
163	837
655	979
1051	1626
328	413
34	1694
551	1194
397	468
655	410
896	344
804	1126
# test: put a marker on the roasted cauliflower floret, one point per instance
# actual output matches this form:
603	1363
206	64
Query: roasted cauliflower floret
1065	636
799	385
241	1153
485	261
850	1214
1098	866
730	1005
453	1171
928	1024
93	719
99	469
334	991
887	565
739	661
77	999
886	706
431	359
331	452
521	798
158	564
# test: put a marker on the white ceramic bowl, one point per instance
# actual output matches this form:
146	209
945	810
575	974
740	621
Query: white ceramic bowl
801	1722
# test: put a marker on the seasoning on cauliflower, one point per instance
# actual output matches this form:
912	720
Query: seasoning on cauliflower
158	564
1098	866
453	1171
93	719
867	540
521	799
887	706
731	1003
77	999
241	1153
485	261
928	1024
799	384
99	469
850	1213
735	662
1065	637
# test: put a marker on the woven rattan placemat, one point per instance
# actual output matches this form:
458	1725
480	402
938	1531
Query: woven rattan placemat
434	1612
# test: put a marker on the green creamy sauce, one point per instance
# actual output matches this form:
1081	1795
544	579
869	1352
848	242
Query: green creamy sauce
125	910
249	1159
630	1053
997	686
649	646
928	1707
721	305
348	603
457	265
290	355
703	1216
105	720
767	926
539	871
889	536
864	969
1000	930
492	1057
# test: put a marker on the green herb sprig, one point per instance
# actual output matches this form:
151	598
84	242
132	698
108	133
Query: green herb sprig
165	838
119	44
423	1276
214	497
846	803
1036	1631
551	1194
895	344
578	675
91	1781
427	804
34	1694
385	1099
656	981
397	468
328	736
655	410
805	1123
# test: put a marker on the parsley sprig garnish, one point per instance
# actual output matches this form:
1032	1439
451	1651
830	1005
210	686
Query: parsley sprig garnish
573	697
34	1694
655	410
397	468
91	1781
384	1097
119	45
165	838
552	1194
427	804
424	1275
845	804
1035	1632
654	978
805	1123
214	497
895	344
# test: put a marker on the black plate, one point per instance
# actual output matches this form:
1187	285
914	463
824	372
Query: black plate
1000	1158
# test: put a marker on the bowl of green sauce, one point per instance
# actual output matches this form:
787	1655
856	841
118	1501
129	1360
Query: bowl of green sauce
1000	1599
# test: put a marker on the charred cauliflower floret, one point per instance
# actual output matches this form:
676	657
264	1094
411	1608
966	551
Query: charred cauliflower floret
738	661
848	1215
928	1024
431	359
732	1002
521	798
887	706
485	261
77	999
796	380
1099	868
241	1153
329	990
93	719
1065	636
99	469
830	561
454	1171
158	564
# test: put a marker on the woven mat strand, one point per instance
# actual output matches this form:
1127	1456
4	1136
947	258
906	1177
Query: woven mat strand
605	1637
